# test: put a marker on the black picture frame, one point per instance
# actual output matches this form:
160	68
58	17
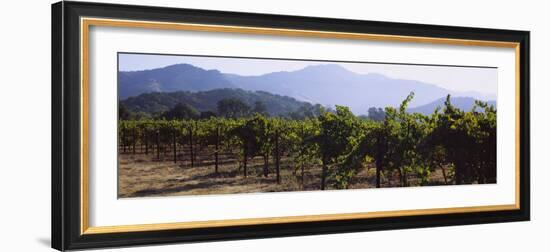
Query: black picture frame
66	141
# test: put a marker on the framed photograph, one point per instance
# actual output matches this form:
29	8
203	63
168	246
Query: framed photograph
180	125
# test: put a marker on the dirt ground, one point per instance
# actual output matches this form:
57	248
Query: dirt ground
141	175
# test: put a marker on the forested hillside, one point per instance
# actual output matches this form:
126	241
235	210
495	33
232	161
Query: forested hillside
156	103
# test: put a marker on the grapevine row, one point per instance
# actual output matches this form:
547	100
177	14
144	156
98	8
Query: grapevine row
462	144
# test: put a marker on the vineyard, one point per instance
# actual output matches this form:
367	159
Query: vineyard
332	150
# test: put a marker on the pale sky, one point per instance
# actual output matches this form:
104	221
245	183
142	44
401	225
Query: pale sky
483	80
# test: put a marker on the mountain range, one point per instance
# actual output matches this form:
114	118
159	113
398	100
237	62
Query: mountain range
328	85
180	77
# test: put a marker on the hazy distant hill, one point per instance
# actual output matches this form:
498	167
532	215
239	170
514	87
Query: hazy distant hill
180	77
328	85
207	100
333	84
463	103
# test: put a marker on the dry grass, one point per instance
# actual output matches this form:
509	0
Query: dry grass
140	176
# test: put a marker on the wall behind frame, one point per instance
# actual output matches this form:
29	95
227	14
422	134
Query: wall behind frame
25	127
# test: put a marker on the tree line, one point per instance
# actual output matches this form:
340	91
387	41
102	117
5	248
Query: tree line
462	144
